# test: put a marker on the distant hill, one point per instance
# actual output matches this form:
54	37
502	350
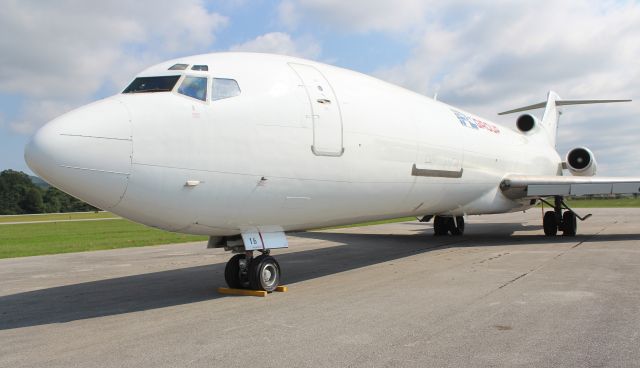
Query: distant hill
39	182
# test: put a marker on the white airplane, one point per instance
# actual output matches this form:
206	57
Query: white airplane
245	147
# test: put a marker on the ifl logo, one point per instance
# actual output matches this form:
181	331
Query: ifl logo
474	123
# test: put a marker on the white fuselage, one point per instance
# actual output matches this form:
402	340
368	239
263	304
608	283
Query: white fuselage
294	150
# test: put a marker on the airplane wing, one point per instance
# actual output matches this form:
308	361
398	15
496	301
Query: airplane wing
528	186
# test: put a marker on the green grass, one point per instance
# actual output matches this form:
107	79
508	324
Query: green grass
23	240
574	203
604	202
57	217
379	222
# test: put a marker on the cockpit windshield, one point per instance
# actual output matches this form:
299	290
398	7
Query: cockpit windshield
195	87
152	84
190	85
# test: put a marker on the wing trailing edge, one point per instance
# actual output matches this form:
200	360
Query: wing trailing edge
528	186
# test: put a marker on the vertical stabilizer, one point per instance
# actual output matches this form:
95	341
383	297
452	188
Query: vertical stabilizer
551	117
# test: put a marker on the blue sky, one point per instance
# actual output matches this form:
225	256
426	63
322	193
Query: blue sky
483	57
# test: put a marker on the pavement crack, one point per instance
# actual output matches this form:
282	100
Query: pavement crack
545	263
514	280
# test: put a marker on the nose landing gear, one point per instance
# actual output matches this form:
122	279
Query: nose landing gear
243	271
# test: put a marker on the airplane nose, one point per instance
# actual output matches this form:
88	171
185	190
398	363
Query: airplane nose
86	152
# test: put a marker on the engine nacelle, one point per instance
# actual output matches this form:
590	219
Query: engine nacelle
526	123
581	162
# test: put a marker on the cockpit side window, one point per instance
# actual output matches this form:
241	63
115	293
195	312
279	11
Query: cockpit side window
224	88
195	87
152	84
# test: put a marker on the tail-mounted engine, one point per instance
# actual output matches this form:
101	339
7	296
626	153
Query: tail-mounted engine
526	123
581	162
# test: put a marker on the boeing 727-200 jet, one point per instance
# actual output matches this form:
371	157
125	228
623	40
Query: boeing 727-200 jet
245	147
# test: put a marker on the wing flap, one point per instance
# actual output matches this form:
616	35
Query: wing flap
587	189
625	188
540	190
523	186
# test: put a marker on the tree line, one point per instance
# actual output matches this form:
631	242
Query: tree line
20	195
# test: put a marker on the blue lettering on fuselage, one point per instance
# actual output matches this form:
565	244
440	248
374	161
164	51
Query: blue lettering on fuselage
471	122
465	120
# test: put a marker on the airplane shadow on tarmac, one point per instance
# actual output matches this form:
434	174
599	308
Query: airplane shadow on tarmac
193	284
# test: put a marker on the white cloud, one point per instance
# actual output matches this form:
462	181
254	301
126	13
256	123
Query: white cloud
281	43
64	52
35	112
288	14
356	15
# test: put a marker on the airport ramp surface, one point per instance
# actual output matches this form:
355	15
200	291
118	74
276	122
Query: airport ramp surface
383	295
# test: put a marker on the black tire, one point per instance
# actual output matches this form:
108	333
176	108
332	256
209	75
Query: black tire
459	229
440	226
569	223
235	278
264	273
550	223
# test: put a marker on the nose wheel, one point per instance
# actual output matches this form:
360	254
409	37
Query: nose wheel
236	273
246	272
264	273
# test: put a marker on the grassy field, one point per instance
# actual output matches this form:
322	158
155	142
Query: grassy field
380	222
23	240
57	217
30	239
604	203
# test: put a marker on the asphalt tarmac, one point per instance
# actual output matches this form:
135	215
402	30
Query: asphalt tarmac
379	296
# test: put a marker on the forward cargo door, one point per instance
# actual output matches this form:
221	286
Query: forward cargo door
325	111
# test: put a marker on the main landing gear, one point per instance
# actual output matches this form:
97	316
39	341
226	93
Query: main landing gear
243	271
448	225
556	220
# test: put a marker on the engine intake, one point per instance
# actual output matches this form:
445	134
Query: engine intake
581	162
526	123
